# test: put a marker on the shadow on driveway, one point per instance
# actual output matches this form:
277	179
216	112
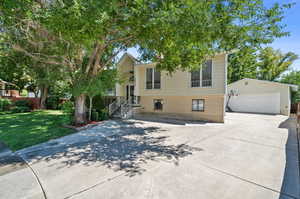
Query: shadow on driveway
128	149
9	161
292	162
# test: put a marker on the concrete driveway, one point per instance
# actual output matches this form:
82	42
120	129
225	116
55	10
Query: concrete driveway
250	156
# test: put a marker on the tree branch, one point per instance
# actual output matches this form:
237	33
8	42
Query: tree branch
37	58
111	58
92	57
120	39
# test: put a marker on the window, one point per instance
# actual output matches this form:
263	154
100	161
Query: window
149	78
158	104
207	74
198	105
152	78
203	76
195	78
156	79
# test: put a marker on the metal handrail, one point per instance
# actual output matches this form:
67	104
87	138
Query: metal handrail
125	109
113	107
121	104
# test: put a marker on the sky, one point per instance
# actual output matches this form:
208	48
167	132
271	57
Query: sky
285	44
292	20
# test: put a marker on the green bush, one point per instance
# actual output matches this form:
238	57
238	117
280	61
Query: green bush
4	104
52	102
104	114
24	93
23	103
68	109
95	116
100	102
20	109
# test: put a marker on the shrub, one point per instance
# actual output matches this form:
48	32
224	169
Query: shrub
4	104
52	102
104	114
20	109
100	102
68	108
95	115
24	93
22	103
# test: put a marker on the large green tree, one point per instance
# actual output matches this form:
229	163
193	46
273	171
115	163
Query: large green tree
97	85
264	63
273	63
28	73
292	77
12	70
85	36
242	64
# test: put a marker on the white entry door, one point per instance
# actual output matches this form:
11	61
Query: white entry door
256	103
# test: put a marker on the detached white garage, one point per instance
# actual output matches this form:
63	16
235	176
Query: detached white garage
259	96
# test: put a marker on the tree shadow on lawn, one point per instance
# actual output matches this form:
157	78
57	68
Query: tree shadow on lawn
129	150
22	130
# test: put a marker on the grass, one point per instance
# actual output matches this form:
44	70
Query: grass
22	130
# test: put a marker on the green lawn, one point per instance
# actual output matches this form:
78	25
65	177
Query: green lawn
22	130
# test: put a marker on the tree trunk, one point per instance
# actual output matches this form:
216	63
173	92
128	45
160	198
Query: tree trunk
90	108
44	95
36	92
80	115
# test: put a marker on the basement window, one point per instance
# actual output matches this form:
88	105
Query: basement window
158	104
198	105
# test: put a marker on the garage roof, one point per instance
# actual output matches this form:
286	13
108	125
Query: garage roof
292	86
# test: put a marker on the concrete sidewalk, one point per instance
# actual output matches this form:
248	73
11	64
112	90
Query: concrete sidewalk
16	179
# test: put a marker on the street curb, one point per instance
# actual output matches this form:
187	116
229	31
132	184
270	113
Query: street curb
4	150
298	143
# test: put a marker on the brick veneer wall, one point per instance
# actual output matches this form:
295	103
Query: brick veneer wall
34	102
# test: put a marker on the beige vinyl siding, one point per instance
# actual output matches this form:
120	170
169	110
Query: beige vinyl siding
124	68
179	83
180	107
176	91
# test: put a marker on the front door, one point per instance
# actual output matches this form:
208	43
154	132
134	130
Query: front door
130	93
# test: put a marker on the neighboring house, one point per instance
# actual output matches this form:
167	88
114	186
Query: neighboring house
5	91
197	95
260	96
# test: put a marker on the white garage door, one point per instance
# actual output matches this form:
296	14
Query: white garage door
256	103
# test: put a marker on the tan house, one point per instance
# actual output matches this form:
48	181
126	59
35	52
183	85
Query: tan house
197	95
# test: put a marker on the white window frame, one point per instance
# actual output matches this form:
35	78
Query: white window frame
153	72
201	86
198	110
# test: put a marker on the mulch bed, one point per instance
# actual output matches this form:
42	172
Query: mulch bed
83	126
